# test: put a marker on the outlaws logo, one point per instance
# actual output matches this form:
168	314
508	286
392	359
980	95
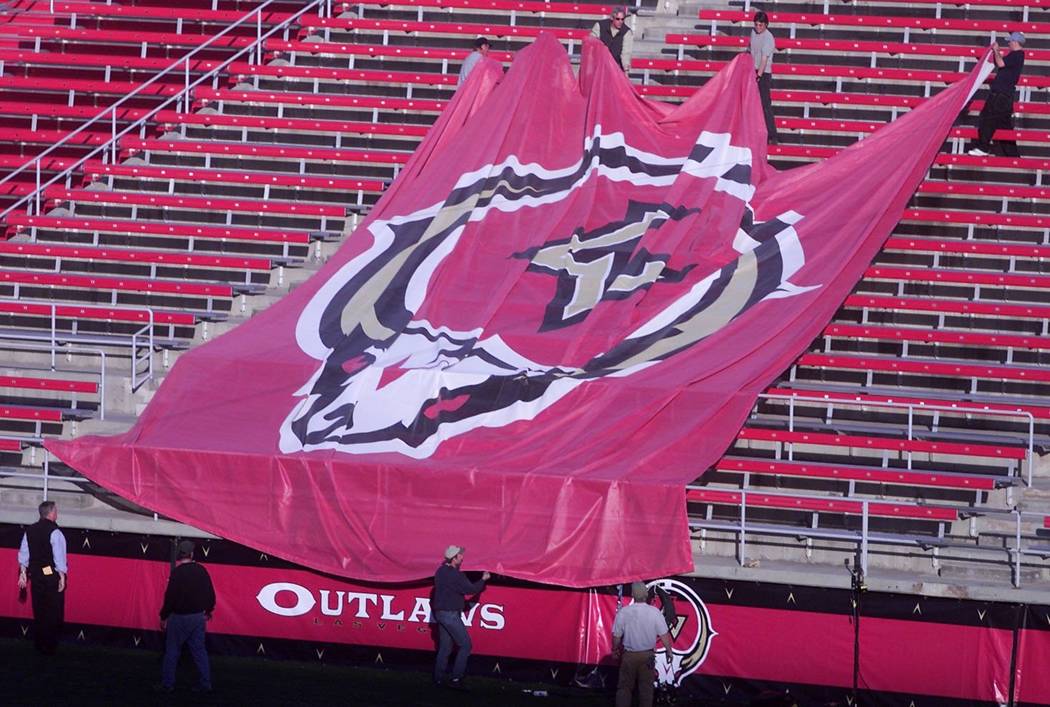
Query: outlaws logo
391	380
691	632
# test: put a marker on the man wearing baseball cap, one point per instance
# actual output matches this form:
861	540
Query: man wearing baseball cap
636	629
451	587
999	105
189	602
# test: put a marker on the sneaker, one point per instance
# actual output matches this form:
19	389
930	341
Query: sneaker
977	152
163	688
457	684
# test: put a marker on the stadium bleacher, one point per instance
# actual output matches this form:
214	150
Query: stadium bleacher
921	410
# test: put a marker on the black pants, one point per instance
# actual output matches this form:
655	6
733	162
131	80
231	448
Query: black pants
997	114
765	84
49	610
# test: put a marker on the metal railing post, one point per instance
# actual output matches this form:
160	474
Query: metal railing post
149	356
864	539
1017	549
1030	455
113	136
54	337
743	527
102	385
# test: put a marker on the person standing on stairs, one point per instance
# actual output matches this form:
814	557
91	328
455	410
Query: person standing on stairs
762	47
999	105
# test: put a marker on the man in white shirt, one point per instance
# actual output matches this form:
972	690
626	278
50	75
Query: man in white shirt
42	564
762	47
481	48
635	631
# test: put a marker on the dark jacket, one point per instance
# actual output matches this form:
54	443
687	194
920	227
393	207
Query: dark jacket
1007	77
450	588
189	591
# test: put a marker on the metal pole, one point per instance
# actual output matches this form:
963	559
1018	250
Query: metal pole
743	526
864	539
1017	550
102	385
1029	457
54	336
150	353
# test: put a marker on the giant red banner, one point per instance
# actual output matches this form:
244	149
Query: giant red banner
558	316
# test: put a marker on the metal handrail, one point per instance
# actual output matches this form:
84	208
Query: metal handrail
145	332
862	537
45	472
110	113
912	408
7	342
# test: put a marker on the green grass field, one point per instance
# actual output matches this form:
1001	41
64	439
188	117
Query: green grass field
81	675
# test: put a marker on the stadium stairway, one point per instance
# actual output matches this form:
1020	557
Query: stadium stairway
917	420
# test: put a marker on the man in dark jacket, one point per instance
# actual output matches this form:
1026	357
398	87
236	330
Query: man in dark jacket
451	587
188	603
617	36
999	104
42	562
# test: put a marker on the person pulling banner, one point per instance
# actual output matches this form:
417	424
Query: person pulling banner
451	587
636	628
999	105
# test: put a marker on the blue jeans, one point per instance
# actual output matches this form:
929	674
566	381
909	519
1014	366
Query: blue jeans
450	629
188	630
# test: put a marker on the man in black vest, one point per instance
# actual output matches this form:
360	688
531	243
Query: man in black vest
42	562
617	36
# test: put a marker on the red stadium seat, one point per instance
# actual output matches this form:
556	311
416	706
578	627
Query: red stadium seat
874	475
884	443
61	194
880	21
886	333
820	505
924	367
